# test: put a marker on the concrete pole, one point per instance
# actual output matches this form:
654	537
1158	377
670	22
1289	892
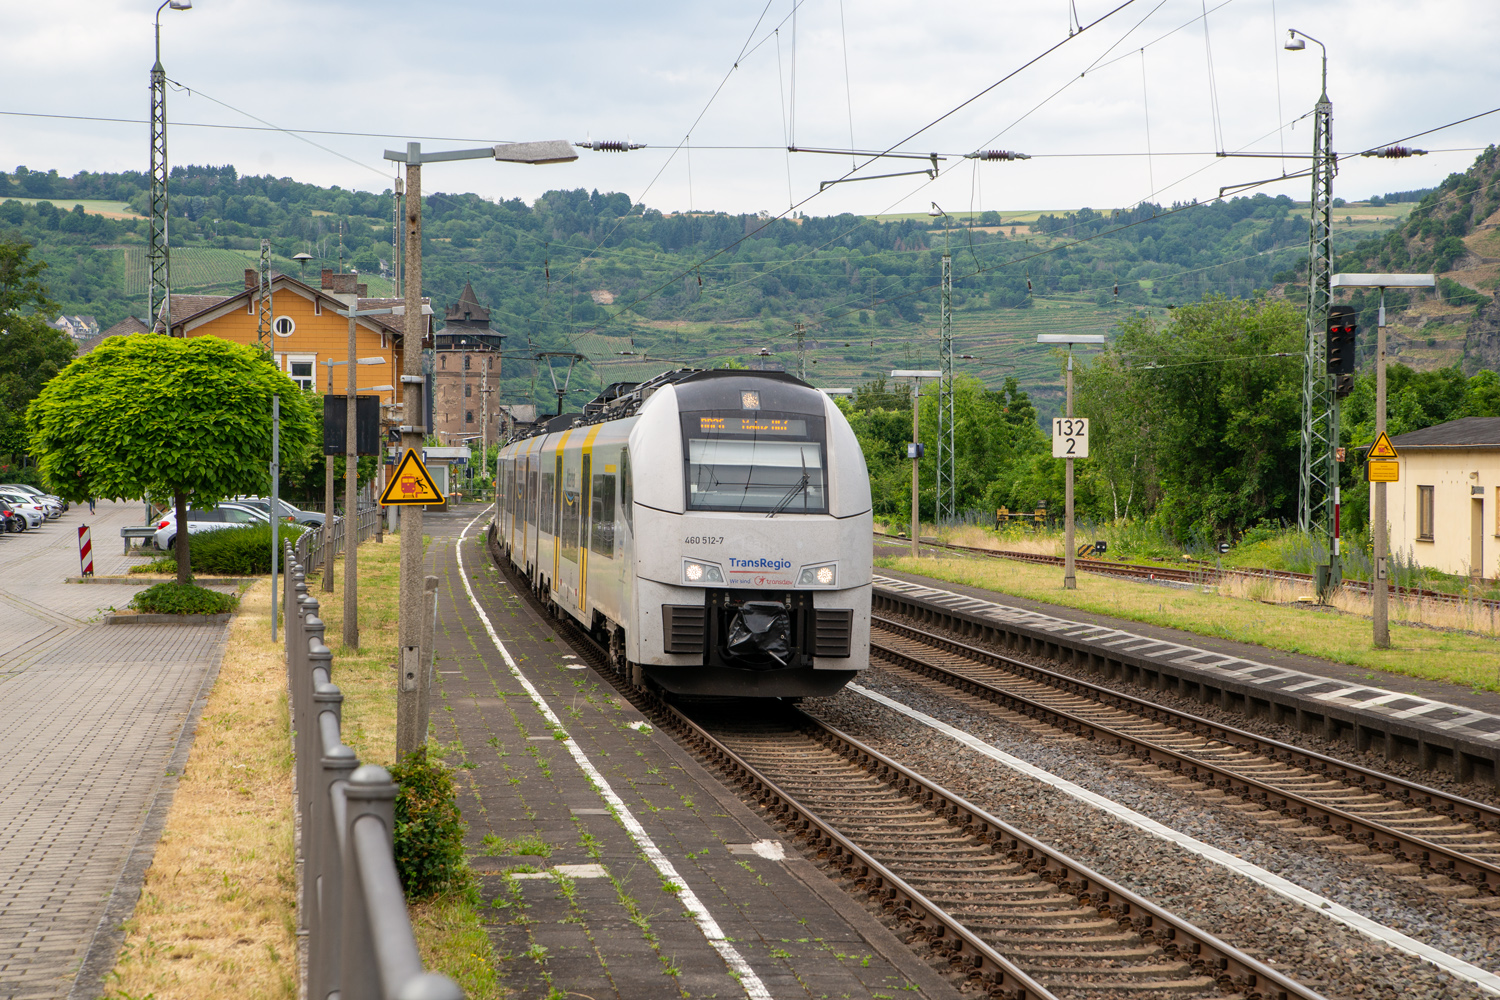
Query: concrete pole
411	611
916	409
351	486
328	506
1380	606
276	552
1070	579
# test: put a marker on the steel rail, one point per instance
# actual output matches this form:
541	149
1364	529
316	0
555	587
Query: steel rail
1404	846
1409	792
1209	956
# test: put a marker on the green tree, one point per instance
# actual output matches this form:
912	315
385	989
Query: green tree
158	416
31	350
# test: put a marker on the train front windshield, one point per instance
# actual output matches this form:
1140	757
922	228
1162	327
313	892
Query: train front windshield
755	463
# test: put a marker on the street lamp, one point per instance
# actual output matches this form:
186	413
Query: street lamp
914	450
411	728
158	248
1070	578
1380	611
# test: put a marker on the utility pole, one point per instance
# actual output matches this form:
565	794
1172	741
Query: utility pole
351	486
800	332
264	334
275	508
1379	519
1318	479
159	245
947	456
914	450
328	498
411	728
1070	576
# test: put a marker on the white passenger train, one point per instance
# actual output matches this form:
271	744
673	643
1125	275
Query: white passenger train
712	529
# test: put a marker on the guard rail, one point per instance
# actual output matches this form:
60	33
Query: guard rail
350	905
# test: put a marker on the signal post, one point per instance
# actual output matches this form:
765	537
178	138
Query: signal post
1070	440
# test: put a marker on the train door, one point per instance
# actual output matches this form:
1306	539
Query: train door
546	519
571	509
529	499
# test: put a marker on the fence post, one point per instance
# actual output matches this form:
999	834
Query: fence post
371	795
319	657
324	875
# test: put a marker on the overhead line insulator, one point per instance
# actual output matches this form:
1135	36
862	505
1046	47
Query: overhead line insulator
610	146
1394	152
996	154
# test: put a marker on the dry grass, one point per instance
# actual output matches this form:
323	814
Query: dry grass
217	915
1238	613
217	911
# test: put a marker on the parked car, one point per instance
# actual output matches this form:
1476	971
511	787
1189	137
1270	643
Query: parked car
33	491
10	520
289	512
23	515
226	515
50	509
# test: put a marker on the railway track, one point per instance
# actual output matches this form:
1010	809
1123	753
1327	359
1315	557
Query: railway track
1016	918
1195	573
1386	819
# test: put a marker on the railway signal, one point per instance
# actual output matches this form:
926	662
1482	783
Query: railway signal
1342	331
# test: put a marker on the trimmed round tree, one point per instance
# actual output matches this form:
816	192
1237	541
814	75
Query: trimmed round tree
155	416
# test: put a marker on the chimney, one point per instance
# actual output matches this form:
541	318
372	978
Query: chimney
327	277
340	284
363	291
252	278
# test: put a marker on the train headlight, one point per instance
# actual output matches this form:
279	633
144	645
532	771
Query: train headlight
818	576
694	571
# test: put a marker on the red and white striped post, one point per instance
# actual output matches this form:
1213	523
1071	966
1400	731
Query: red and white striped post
85	550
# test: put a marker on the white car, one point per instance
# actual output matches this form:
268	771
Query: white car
36	512
35	495
226	515
30	514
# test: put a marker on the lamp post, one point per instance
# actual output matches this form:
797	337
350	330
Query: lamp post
1380	604
1070	577
914	450
158	248
411	729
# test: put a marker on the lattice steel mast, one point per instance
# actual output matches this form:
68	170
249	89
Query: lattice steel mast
1318	483
263	332
947	455
159	296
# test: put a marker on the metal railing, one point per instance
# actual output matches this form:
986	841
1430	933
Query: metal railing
351	907
312	547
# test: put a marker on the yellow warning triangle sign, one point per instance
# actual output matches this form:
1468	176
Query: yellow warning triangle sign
1382	448
411	484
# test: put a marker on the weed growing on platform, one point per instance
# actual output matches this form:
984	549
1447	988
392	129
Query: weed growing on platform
528	845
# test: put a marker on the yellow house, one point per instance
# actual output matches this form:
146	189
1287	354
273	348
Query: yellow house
307	330
1445	511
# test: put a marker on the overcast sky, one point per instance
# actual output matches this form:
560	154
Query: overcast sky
468	73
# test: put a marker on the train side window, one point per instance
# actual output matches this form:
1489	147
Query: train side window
572	513
531	497
548	503
627	491
510	488
602	516
500	484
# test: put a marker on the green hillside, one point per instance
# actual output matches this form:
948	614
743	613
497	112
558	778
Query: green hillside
591	272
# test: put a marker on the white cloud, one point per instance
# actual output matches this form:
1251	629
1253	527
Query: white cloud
486	72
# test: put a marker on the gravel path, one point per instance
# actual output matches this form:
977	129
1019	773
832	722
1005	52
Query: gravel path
1317	951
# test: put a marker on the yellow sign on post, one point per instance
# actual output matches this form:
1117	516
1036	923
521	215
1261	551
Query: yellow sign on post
411	484
1384	472
1383	449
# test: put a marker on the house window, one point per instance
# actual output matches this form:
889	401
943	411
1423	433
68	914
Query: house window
466	362
445	362
468	416
284	326
300	368
468	391
491	365
1424	513
1497	511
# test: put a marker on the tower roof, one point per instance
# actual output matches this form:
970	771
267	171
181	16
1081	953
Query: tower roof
467	310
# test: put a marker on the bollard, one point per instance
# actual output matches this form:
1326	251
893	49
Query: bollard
323	878
371	798
429	986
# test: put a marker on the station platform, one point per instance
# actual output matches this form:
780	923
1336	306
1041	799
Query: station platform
1430	723
576	899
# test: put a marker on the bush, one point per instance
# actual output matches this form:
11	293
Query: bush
183	599
229	551
429	834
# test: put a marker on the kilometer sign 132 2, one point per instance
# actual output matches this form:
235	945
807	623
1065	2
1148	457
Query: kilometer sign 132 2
1070	437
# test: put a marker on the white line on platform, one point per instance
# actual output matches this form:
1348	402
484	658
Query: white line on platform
1375	930
754	988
